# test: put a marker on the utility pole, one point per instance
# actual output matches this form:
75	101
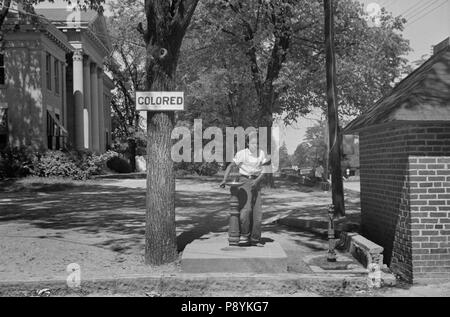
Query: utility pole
334	154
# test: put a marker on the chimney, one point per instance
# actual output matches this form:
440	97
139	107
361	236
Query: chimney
445	44
441	46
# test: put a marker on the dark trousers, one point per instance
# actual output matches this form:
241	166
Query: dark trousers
250	210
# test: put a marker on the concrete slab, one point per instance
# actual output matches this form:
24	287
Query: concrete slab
344	265
213	254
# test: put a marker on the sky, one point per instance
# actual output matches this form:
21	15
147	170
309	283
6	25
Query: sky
428	24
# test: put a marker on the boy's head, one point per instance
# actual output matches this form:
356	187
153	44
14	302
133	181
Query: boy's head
251	141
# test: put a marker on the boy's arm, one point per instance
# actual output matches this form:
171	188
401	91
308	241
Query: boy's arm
259	179
227	172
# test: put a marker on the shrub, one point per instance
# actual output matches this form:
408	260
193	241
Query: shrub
15	162
92	164
77	165
202	169
119	165
57	164
207	169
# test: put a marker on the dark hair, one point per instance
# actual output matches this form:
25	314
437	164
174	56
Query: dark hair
248	138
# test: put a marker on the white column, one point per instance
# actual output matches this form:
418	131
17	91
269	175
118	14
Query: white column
101	110
95	108
78	98
87	102
64	102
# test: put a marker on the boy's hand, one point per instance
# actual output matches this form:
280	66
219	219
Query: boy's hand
254	184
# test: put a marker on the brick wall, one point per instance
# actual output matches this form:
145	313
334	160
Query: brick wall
391	185
430	216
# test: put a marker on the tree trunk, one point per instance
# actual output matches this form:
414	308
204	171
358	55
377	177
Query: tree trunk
132	146
160	237
166	26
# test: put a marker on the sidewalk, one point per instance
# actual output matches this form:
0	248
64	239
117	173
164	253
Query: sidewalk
312	214
353	186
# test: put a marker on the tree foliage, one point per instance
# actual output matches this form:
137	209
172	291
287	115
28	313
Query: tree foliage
285	160
273	52
127	67
314	150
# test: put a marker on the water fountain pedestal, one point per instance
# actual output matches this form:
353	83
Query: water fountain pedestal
234	231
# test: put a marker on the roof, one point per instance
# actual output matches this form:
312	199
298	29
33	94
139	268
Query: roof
15	22
422	96
91	20
61	15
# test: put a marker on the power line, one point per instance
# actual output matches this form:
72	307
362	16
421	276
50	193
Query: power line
422	9
427	13
412	8
418	7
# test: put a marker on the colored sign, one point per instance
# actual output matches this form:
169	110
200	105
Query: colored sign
159	101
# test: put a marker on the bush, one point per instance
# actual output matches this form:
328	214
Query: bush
57	164
201	169
15	162
77	165
207	169
90	163
119	165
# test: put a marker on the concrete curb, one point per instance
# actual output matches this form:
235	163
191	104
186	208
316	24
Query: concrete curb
199	284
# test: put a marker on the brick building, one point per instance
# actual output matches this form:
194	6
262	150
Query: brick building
405	172
53	90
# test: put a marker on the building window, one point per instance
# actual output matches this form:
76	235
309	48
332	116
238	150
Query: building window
108	147
56	70
48	71
51	127
56	133
3	128
2	69
58	142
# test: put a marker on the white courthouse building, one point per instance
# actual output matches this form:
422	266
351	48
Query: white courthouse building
54	93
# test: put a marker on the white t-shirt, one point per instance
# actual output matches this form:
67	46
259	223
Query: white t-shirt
250	164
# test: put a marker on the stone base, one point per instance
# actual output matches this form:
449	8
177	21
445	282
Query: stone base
214	255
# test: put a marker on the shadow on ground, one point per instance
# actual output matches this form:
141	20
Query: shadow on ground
117	213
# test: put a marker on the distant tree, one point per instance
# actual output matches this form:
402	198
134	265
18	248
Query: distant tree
127	67
318	148
301	156
284	158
